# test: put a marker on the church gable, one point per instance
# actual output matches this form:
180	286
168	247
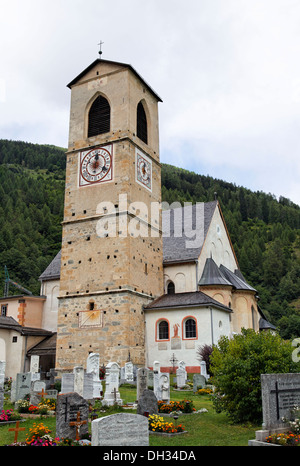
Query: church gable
217	245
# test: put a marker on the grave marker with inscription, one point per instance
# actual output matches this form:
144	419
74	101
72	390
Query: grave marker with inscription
120	430
68	407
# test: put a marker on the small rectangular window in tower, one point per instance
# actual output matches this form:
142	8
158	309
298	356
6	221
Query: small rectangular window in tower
4	310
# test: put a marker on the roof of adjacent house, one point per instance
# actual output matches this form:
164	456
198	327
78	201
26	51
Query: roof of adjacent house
189	299
9	323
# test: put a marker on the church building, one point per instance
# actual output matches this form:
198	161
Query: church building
133	281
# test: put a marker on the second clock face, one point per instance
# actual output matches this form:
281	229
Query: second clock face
96	166
143	170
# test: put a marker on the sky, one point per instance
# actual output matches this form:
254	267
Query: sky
228	72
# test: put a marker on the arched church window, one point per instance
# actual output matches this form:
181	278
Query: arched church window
163	330
142	128
171	288
99	117
190	330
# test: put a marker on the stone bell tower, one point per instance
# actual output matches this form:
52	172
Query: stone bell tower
112	262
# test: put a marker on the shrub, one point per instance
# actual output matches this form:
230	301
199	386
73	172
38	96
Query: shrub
237	364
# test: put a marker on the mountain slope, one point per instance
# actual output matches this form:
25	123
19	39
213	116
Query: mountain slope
265	231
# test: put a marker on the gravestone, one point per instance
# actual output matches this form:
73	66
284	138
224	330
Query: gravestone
150	378
68	405
67	383
92	367
35	393
182	366
129	372
198	381
164	388
147	403
76	382
23	385
78	372
112	394
280	394
180	377
156	375
120	430
142	381
203	370
34	363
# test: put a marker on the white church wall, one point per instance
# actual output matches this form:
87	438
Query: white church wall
182	275
211	323
217	246
50	289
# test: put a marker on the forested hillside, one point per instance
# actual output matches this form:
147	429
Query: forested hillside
265	232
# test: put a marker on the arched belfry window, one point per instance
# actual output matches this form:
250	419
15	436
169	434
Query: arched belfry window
142	129
99	117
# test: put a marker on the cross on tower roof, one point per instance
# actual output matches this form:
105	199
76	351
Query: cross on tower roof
100	45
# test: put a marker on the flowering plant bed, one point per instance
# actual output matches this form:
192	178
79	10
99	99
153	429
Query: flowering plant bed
157	424
8	416
286	438
185	406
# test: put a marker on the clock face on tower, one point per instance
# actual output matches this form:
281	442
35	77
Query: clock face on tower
143	170
96	166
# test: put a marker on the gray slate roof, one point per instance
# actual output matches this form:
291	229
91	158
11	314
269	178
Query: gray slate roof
175	224
52	272
212	275
195	299
234	278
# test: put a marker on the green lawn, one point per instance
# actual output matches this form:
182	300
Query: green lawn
204	429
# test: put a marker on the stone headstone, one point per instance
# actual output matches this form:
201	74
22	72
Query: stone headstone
34	363
198	381
180	377
164	387
67	407
88	386
280	394
147	403
112	394
203	370
156	375
142	381
120	430
150	378
23	385
67	383
129	372
78	372
92	367
182	366
36	388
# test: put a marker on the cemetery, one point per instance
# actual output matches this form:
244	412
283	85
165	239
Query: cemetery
138	407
